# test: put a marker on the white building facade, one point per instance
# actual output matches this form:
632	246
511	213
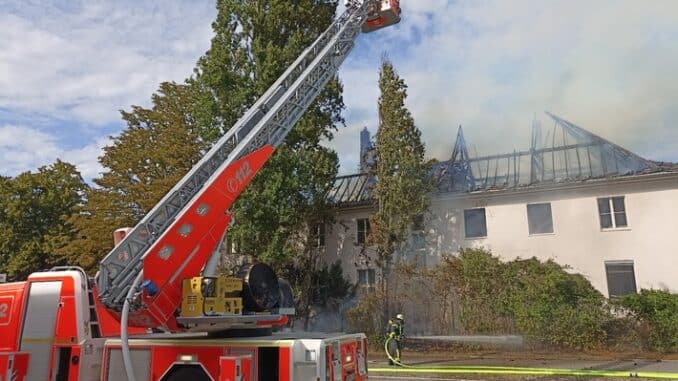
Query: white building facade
586	204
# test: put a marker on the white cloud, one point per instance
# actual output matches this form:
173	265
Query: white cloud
23	148
488	65
66	68
85	60
492	65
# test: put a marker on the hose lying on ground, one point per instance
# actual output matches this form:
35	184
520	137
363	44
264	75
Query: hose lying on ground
507	370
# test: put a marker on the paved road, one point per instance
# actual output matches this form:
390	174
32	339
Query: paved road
631	365
615	365
398	378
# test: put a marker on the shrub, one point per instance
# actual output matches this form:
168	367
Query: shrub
555	307
330	284
656	314
366	317
484	290
477	293
538	299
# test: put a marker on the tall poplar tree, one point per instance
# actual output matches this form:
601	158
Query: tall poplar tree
402	186
254	42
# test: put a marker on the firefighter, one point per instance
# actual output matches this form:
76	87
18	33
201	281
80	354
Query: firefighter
394	334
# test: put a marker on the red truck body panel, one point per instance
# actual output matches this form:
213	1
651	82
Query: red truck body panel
13	366
11	314
279	357
191	239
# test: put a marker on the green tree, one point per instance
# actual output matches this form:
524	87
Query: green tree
254	42
34	208
316	285
402	186
157	148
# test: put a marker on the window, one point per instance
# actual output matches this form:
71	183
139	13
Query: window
418	251
418	224
539	218
318	235
474	223
612	212
232	246
363	230
366	277
418	241
621	278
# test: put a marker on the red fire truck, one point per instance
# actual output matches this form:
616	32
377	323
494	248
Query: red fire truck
156	309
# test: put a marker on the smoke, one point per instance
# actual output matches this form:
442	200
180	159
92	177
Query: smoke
491	65
331	318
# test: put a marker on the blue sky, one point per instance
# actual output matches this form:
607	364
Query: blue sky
66	68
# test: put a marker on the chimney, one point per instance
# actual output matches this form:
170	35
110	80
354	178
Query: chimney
365	150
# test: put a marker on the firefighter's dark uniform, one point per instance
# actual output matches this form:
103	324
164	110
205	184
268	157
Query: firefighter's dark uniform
395	331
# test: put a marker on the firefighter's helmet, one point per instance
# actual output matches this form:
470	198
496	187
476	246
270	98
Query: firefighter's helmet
400	317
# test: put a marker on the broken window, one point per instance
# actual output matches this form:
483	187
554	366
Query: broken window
363	230
539	218
475	223
621	278
612	212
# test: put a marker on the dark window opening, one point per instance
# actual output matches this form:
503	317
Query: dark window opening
621	278
418	224
475	223
540	218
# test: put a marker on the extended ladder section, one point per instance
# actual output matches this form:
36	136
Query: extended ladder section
261	129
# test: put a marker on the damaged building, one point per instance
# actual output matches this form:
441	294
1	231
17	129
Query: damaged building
572	197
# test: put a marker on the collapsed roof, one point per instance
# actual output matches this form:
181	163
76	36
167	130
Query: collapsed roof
566	153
